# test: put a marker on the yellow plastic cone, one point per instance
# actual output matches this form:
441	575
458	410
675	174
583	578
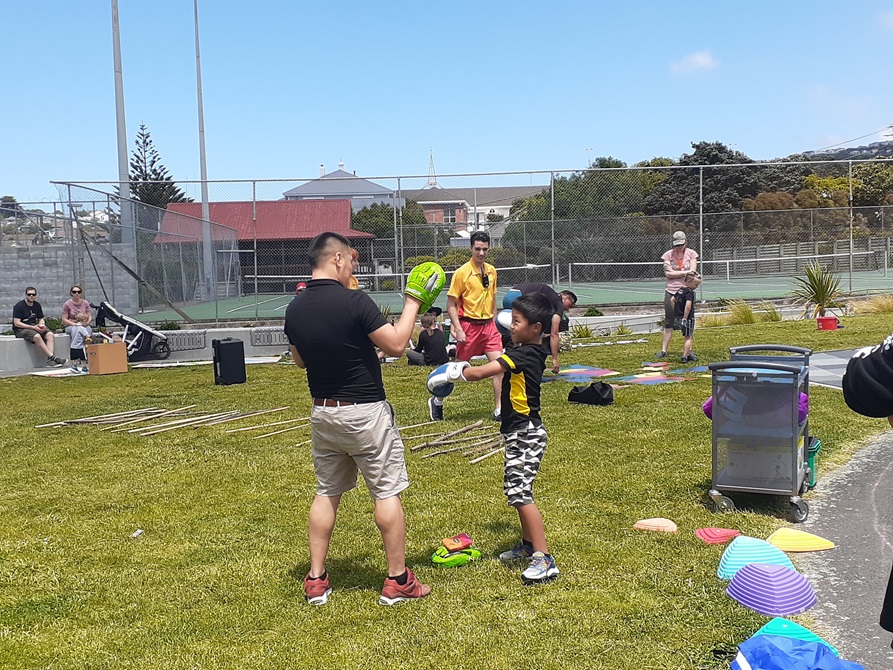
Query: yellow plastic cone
789	539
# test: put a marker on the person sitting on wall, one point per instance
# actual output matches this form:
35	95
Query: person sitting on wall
28	324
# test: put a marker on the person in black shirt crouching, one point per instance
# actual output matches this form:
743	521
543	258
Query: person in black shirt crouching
431	348
333	332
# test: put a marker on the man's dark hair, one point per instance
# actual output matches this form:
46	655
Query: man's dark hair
571	295
480	236
30	288
319	247
536	308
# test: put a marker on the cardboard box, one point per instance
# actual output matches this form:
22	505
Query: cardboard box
107	359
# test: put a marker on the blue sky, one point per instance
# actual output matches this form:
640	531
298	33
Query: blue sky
488	86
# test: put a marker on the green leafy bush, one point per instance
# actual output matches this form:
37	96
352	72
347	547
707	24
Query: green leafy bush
53	325
594	311
168	325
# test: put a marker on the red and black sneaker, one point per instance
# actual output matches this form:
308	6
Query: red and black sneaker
393	593
317	590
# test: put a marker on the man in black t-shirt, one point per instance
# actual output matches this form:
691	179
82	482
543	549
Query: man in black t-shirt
333	332
28	324
561	302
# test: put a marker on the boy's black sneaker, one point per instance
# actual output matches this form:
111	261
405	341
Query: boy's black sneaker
435	411
660	354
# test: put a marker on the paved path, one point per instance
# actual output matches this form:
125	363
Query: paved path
853	508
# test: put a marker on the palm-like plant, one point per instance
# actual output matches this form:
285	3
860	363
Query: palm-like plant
818	290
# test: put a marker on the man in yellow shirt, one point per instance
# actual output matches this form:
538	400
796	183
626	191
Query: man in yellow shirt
471	304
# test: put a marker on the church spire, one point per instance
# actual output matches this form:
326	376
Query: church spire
432	176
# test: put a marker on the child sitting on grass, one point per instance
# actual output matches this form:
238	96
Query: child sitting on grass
79	335
521	426
684	311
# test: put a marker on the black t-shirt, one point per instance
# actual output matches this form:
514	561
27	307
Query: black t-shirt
682	296
329	325
30	315
524	367
551	294
433	347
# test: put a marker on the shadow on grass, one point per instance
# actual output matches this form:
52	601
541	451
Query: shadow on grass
355	573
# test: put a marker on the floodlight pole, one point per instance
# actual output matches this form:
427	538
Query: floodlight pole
126	222
206	214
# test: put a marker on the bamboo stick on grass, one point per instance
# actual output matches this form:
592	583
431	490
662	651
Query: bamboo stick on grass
267	425
480	458
435	443
284	430
186	423
245	416
118	426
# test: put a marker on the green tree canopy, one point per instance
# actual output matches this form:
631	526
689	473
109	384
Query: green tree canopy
150	181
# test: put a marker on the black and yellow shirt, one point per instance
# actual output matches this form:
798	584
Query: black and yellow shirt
521	384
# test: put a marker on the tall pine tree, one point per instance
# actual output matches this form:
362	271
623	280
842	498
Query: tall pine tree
150	181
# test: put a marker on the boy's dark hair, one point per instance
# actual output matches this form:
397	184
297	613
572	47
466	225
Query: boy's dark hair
319	246
536	308
571	295
480	236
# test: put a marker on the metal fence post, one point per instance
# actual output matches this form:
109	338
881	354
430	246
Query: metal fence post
552	217
254	235
850	172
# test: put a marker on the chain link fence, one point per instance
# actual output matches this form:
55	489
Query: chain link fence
599	231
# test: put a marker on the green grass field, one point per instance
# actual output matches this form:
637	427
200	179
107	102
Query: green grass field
214	581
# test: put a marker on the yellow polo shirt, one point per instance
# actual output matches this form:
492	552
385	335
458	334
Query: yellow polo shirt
467	286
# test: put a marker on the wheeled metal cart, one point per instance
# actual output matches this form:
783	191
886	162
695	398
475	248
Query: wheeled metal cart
759	446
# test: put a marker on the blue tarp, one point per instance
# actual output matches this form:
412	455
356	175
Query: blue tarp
774	652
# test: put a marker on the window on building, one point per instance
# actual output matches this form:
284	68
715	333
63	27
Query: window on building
449	214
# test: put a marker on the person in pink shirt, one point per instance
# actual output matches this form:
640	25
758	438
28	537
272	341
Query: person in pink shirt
74	306
678	262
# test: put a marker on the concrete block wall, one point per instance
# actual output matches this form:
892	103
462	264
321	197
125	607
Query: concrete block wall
53	268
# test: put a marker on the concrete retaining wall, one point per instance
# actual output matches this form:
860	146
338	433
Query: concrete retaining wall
53	268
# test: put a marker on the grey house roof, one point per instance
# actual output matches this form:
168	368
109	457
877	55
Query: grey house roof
484	196
337	184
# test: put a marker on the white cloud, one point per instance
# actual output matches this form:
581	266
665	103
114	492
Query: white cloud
887	19
694	62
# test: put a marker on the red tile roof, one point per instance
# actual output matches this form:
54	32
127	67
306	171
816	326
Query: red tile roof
276	220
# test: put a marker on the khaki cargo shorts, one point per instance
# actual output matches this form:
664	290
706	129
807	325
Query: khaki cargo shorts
355	438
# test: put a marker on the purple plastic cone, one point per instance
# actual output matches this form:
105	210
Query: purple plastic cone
772	590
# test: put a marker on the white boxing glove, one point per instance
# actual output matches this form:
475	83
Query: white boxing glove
442	379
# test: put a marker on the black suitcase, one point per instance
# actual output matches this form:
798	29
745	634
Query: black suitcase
229	361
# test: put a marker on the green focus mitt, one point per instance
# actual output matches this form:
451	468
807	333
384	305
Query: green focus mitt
425	283
452	559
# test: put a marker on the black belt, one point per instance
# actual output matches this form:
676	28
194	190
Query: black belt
464	318
328	402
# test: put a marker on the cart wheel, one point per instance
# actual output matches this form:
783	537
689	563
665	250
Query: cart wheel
724	504
161	350
799	511
804	486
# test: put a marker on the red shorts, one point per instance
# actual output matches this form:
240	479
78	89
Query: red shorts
480	338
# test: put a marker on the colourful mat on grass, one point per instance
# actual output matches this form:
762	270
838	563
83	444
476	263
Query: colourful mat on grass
650	379
578	374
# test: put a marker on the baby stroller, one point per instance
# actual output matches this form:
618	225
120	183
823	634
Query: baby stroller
141	340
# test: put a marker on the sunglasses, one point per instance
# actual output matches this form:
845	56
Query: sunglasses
30	295
75	290
485	280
